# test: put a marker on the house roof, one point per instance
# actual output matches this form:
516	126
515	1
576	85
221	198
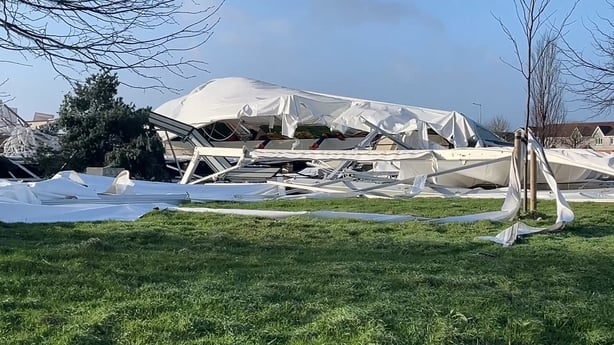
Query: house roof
607	129
586	128
42	116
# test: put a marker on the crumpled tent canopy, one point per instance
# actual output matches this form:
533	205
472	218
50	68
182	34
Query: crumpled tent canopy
262	103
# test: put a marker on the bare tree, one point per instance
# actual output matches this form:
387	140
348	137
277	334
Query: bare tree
594	74
576	140
85	36
534	17
499	125
548	112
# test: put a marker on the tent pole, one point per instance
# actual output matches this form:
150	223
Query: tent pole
170	144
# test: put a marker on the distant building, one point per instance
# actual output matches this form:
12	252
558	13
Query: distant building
40	119
598	136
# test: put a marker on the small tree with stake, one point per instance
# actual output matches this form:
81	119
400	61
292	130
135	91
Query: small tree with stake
534	17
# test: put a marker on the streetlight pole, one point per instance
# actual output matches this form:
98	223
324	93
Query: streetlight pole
479	105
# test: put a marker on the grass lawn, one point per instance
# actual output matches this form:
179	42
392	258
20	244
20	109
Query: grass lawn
179	278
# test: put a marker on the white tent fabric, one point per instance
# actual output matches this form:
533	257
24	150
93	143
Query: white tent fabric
263	103
255	101
72	197
400	119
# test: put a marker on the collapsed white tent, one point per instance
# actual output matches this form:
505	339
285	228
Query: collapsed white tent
262	103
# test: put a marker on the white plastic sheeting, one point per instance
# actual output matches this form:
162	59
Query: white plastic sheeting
32	213
490	164
72	197
262	103
377	217
203	192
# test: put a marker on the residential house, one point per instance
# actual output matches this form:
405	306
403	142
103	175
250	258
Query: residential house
603	137
598	136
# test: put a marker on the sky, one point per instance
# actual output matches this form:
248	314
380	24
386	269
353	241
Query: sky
442	54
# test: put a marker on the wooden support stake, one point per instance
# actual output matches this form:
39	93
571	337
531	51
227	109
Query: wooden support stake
533	182
518	149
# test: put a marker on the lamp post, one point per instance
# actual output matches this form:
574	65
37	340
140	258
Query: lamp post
479	105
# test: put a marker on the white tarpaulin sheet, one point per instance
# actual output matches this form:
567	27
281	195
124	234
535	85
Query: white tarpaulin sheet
81	197
262	103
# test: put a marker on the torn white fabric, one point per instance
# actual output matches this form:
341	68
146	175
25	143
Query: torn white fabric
72	197
121	185
509	236
204	192
376	217
11	192
508	211
243	212
61	187
510	206
14	212
564	214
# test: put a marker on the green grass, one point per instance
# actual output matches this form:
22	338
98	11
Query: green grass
178	278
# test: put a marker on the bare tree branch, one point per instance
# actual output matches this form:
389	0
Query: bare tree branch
593	75
4	96
533	17
85	36
548	111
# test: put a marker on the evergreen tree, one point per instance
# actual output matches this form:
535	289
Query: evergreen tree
99	129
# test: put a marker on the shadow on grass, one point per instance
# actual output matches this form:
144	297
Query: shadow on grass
590	230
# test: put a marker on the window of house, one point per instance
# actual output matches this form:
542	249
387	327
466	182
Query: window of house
611	141
598	141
